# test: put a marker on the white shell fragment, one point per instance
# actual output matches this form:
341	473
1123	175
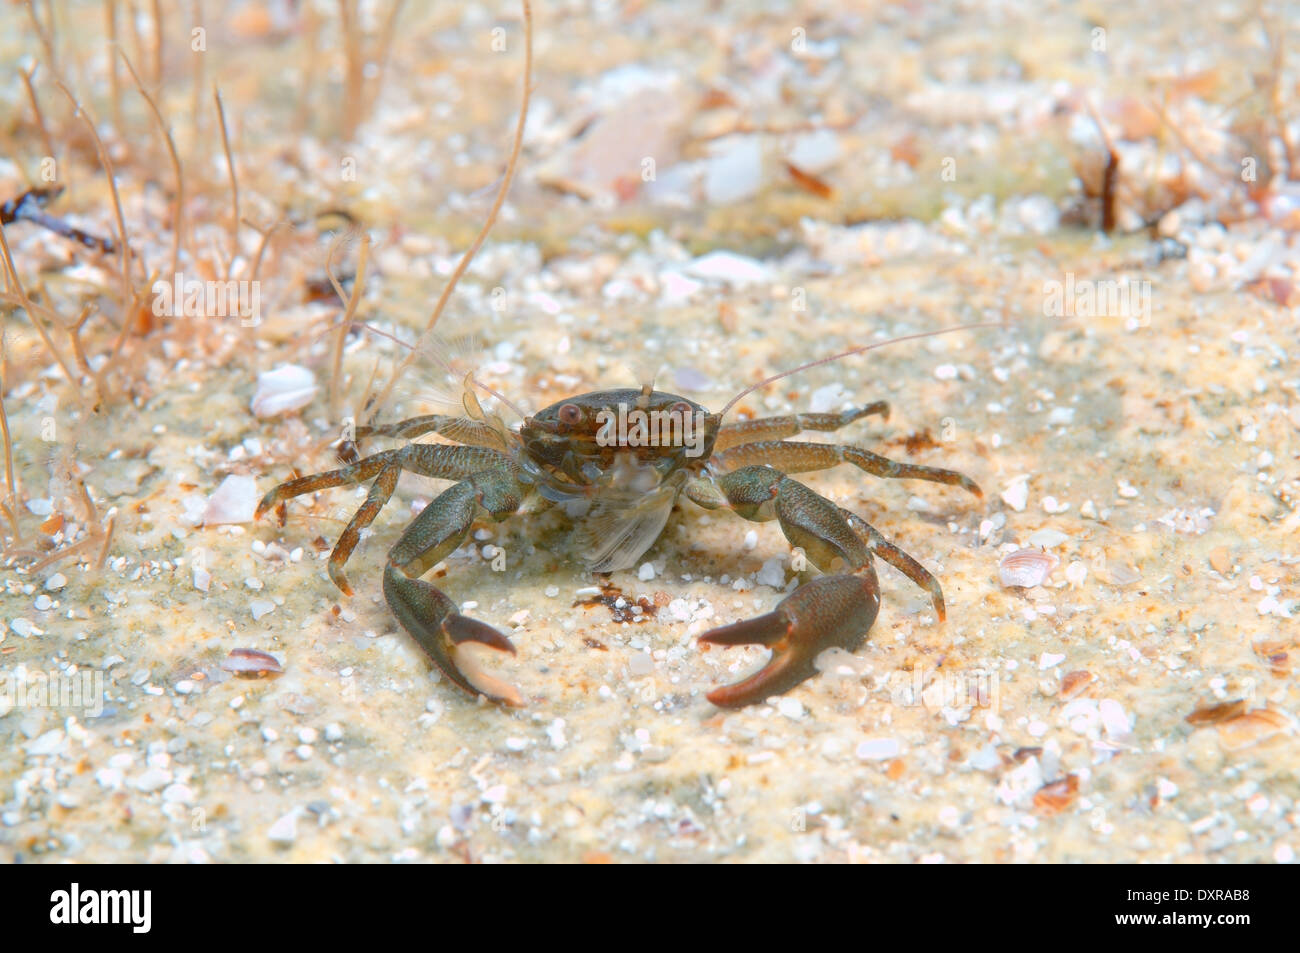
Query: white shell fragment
287	387
735	270
235	501
735	172
1048	538
1026	568
815	152
1016	495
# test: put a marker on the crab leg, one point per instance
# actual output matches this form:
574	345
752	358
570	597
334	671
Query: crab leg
835	610
772	428
431	460
904	563
793	457
427	613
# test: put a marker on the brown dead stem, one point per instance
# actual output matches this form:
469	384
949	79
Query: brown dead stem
156	45
114	81
36	111
266	234
349	313
375	405
354	69
234	183
386	34
178	206
196	87
1277	98
125	254
17	297
79	353
358	96
311	29
11	481
1110	175
45	33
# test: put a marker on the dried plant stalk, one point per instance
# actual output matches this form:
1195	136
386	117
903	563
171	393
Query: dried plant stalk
36	111
234	184
349	313
470	252
178	206
11	480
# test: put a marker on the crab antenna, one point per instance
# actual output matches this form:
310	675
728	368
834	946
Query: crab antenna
497	394
855	350
471	378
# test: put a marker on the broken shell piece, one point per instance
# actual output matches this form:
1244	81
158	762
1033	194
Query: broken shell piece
1055	797
235	501
251	663
1072	683
287	387
1026	568
1251	728
1212	714
1016	495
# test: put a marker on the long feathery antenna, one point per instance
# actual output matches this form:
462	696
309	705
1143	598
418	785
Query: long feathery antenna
470	378
851	351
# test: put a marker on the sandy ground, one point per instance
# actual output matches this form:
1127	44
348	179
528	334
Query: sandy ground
1145	441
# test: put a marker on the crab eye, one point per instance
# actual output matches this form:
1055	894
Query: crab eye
570	414
681	408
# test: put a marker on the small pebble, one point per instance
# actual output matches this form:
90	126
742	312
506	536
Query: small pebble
288	387
772	574
235	501
791	708
285	830
878	749
178	794
151	779
1016	495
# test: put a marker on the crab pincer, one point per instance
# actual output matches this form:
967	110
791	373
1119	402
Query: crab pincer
826	612
444	635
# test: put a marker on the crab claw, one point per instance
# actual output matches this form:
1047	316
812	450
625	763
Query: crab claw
447	636
826	612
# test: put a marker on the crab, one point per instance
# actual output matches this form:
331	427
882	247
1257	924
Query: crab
617	462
